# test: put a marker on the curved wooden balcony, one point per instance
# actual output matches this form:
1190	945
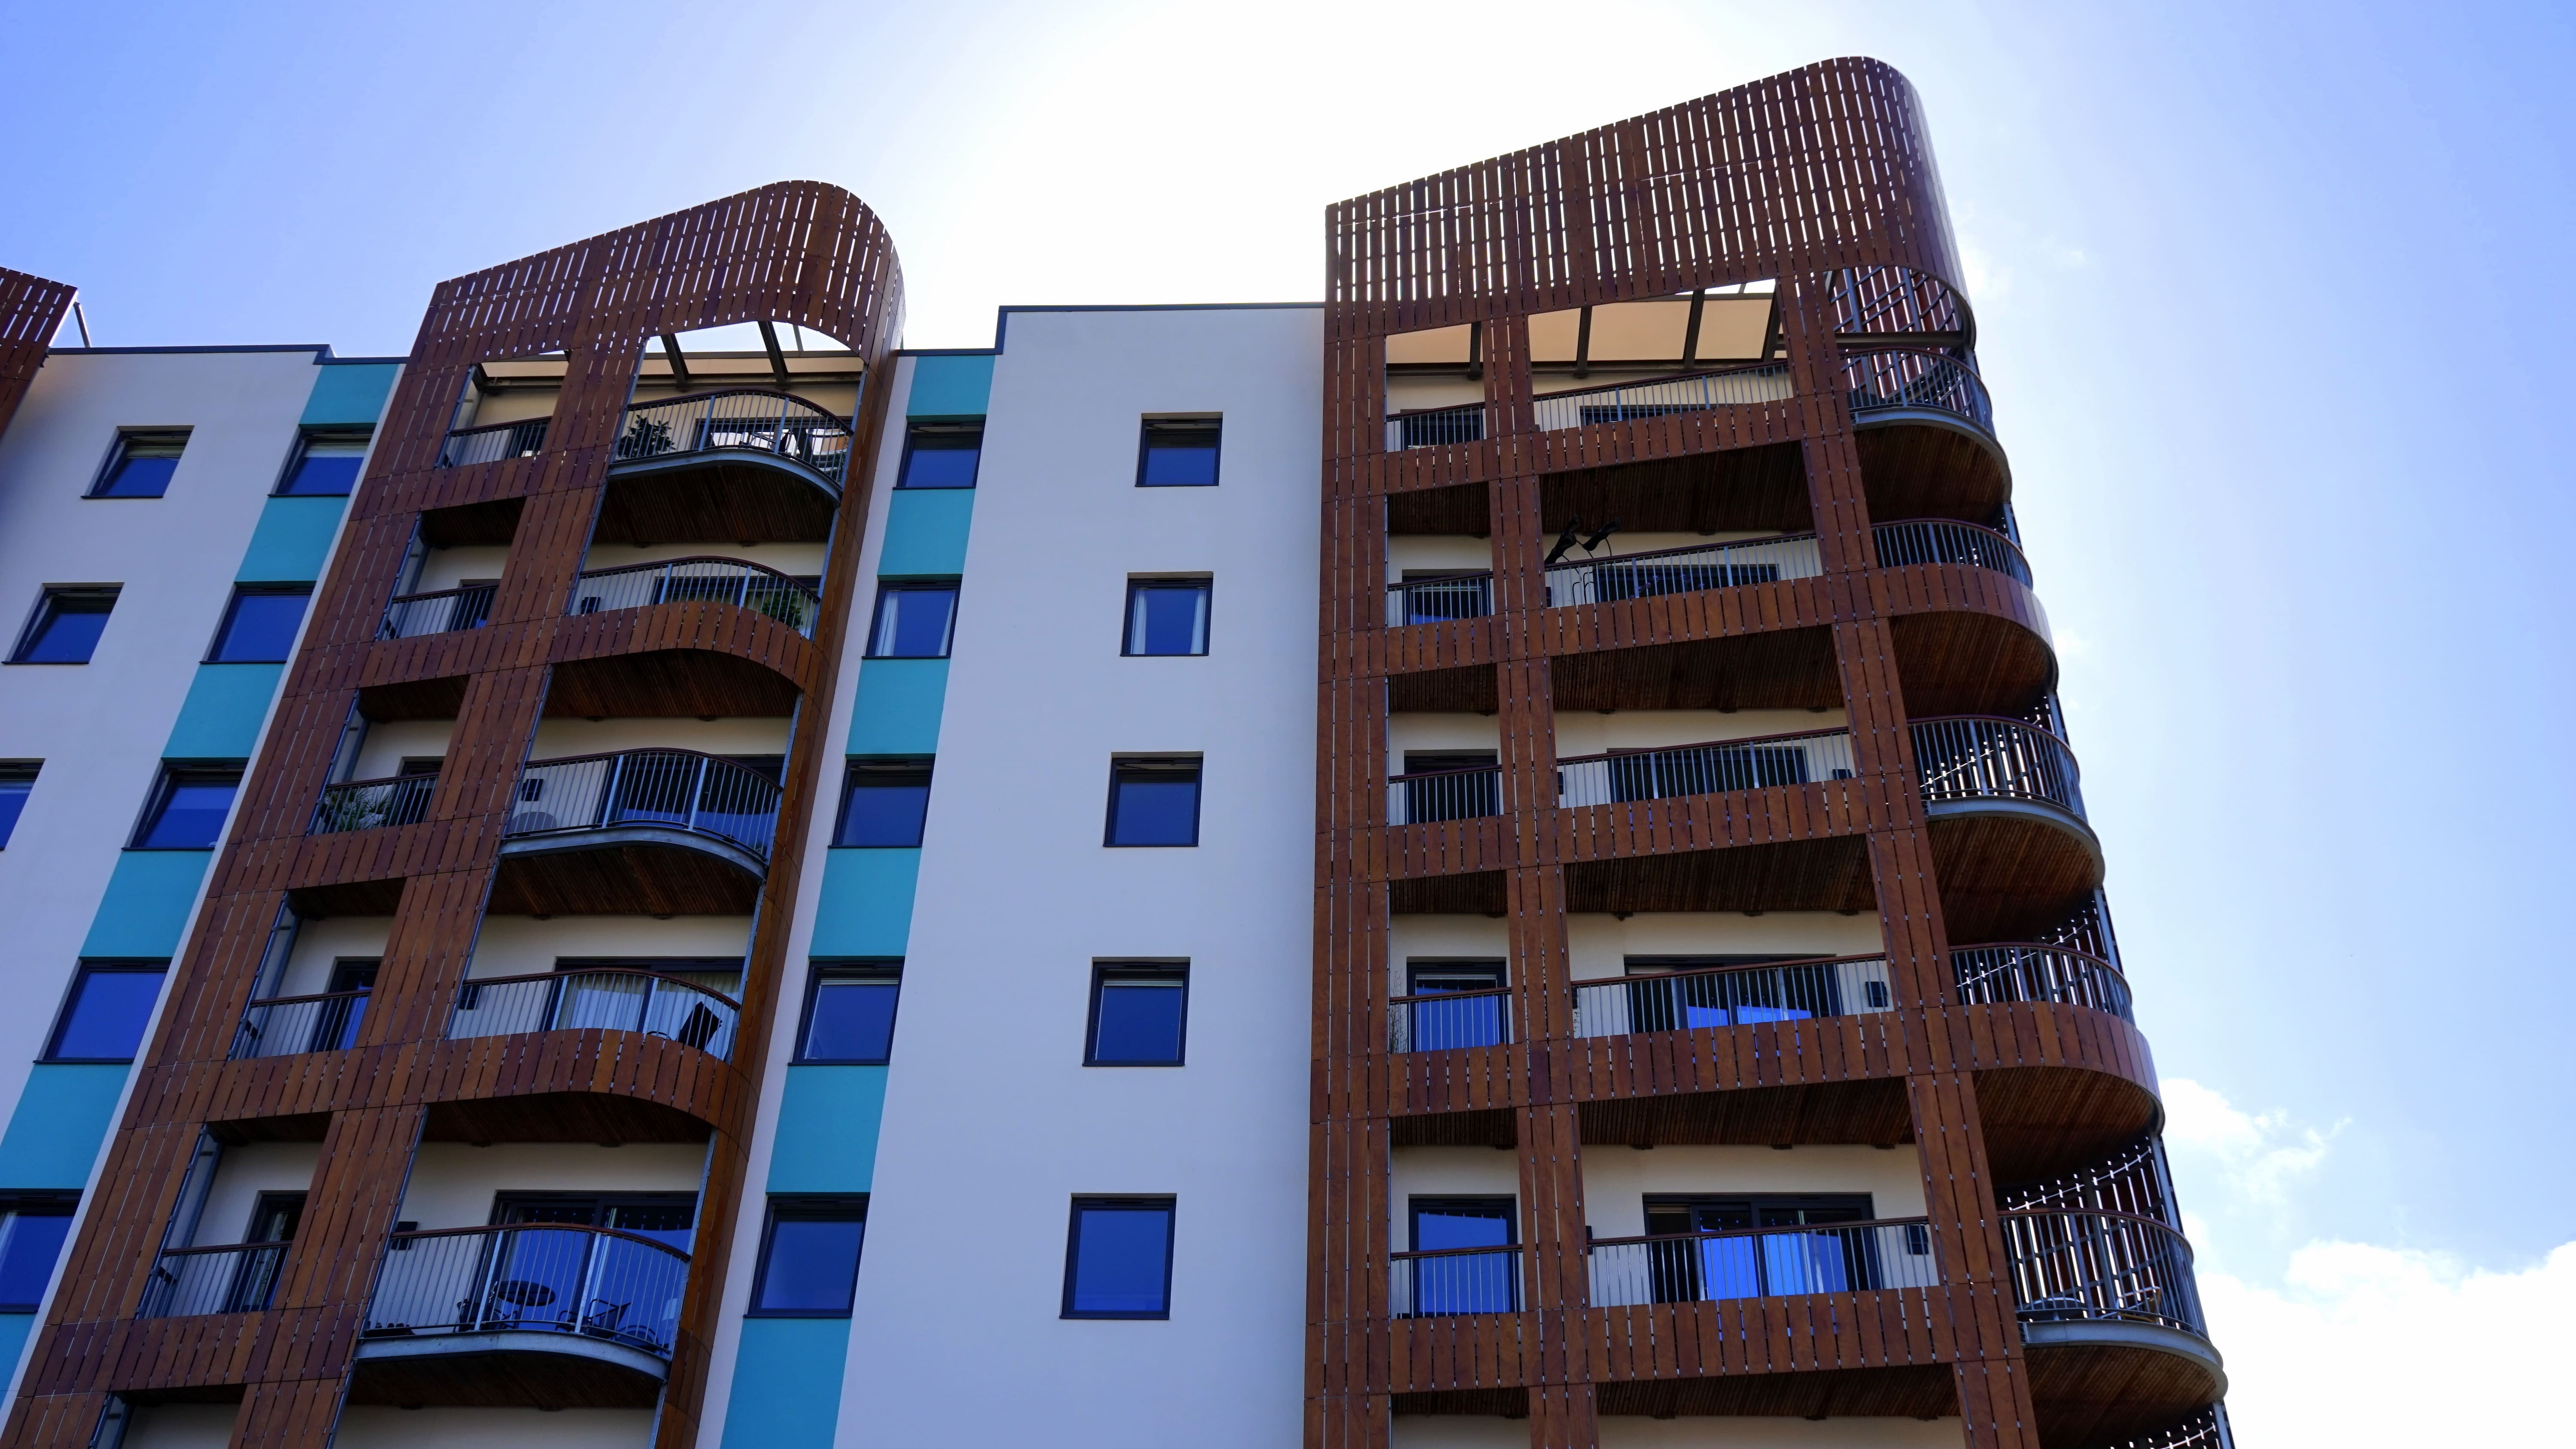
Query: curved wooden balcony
551	1316
2006	816
649	1003
1925	431
2026	971
703	579
636	832
744	464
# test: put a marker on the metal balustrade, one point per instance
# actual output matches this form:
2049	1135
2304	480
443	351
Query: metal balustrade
369	804
1762	1263
1684	570
1734	995
442	611
1431	601
492	443
284	1026
1435	427
1658	397
1454	1280
1980	757
550	1278
1943	541
612	998
1438	1021
233	1278
1444	795
2070	1266
754	419
713	580
1705	769
678	789
2204	1430
1895	378
2026	971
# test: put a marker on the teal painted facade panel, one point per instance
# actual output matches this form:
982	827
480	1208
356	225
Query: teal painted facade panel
350	395
951	387
865	908
221	719
827	1130
15	1329
62	1118
145	910
926	533
896	711
293	538
787	1383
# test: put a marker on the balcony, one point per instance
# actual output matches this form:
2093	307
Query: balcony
284	1026
1916	380
373	804
2022	971
1444	1281
1704	769
1925	432
1762	1263
608	998
776	463
1983	762
1733	996
1439	1021
441	611
231	1278
490	444
554	1316
699	580
636	832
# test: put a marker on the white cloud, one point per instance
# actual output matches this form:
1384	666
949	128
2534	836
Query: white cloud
2256	1156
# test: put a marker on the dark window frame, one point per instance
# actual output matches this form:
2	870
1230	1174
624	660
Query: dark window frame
916	428
1198	800
1210	422
852	766
17	772
174	773
1136	583
82	970
1101	972
232	607
1171	1207
819	970
305	438
807	1207
887	587
44	613
40	1204
121	451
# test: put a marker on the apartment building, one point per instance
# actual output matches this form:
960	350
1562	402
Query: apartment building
1492	860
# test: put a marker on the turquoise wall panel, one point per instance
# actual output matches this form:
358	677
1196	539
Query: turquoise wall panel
926	533
349	394
226	703
865	908
64	1115
145	910
827	1129
15	1328
896	711
787	1383
293	538
951	387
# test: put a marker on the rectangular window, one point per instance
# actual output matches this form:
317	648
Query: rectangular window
1167	616
259	625
1464	1282
884	801
809	1257
17	780
941	454
913	621
31	1242
142	463
66	625
325	464
1178	453
104	1014
1154	801
1139	1015
849	1013
188	806
1118	1258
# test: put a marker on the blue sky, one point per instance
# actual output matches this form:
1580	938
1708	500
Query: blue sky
2272	298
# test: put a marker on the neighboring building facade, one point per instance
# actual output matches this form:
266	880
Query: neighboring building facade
1490	861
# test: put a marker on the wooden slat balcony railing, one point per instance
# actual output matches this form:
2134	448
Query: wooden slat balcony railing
1704	769
284	1026
2026	971
371	804
675	789
231	1278
1657	397
739	419
441	611
614	998
1733	995
1431	795
492	443
2071	1266
1771	1262
1983	757
713	580
1448	1281
1908	378
549	1278
1438	1021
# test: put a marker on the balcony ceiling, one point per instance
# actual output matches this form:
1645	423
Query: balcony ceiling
1738	489
715	498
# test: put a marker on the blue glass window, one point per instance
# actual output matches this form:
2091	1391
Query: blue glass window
142	465
913	621
1139	1016
1167	616
259	627
1118	1263
849	1014
1154	802
104	1016
1463	1282
941	455
31	1241
17	780
809	1259
66	626
883	802
188	809
1178	453
326	466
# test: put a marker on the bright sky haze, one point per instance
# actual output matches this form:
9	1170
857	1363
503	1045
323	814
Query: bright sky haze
2269	298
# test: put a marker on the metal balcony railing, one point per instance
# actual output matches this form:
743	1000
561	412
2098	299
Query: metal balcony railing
553	1278
753	419
368	804
1435	427
680	789
233	1278
1942	541
1707	769
612	998
1438	1021
1911	378
493	443
2023	971
1981	757
714	580
1431	601
1454	1280
443	611
285	1026
2070	1266
1684	570
1444	795
2204	1430
1763	1263
1733	996
1760	382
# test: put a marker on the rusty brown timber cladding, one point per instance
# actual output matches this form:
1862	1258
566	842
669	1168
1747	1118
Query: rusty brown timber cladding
31	312
796	252
1787	179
